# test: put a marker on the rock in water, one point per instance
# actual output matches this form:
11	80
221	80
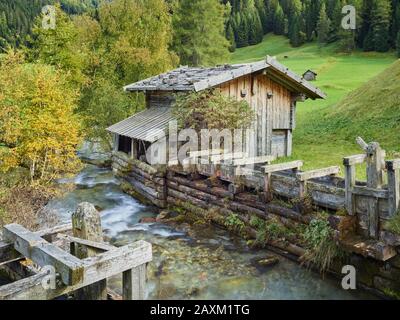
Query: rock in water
268	261
147	220
163	215
166	214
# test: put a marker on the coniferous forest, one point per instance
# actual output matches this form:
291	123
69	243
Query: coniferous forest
245	22
377	22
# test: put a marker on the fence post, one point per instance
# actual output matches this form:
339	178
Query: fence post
86	224
134	283
375	165
350	182
393	168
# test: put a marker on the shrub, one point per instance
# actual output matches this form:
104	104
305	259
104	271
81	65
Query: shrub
26	205
270	230
234	223
321	245
393	224
210	109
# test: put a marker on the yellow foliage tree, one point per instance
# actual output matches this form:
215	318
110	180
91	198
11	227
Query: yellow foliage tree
38	127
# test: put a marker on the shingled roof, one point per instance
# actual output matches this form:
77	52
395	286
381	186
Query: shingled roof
198	79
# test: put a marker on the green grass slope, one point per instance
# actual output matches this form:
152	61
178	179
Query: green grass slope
371	111
326	129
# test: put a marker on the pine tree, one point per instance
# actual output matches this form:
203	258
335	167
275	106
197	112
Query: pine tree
323	26
368	44
365	26
242	31
398	44
296	24
346	40
311	11
335	20
199	32
261	7
230	36
395	22
271	11
279	21
255	27
381	15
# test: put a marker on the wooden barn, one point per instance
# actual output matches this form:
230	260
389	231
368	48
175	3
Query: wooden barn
270	88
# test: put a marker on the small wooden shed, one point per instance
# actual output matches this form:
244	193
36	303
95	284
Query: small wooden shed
270	88
310	75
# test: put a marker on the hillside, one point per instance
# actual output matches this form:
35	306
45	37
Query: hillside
326	129
372	111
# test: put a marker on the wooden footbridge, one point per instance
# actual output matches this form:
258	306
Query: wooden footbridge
44	267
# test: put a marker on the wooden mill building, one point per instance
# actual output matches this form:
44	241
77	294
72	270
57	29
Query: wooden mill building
271	89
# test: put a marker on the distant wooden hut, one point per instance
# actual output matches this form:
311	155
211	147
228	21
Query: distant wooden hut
310	75
270	88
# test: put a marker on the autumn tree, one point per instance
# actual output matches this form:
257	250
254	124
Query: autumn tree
127	40
37	121
59	47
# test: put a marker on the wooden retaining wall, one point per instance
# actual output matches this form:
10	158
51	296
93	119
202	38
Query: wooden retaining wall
372	204
284	193
147	181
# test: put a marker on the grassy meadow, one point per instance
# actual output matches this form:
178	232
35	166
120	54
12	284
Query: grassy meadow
327	129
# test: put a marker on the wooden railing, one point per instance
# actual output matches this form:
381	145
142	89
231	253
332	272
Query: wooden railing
83	271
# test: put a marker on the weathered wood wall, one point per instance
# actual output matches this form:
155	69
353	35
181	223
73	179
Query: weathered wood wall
146	181
272	103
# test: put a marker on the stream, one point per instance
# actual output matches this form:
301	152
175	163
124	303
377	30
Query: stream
200	263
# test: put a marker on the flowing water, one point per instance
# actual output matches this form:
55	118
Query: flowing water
199	263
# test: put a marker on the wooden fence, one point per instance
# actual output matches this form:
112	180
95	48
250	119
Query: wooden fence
251	184
82	271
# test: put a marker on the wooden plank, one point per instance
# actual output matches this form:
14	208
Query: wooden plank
289	143
282	166
353	160
369	248
96	268
319	173
370	192
227	157
350	182
98	246
44	253
393	171
54	230
134	283
393	164
205	153
373	218
363	145
7	251
253	160
269	126
117	261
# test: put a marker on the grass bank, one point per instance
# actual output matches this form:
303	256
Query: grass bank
326	129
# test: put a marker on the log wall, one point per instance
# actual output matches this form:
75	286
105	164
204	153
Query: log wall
218	191
145	180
